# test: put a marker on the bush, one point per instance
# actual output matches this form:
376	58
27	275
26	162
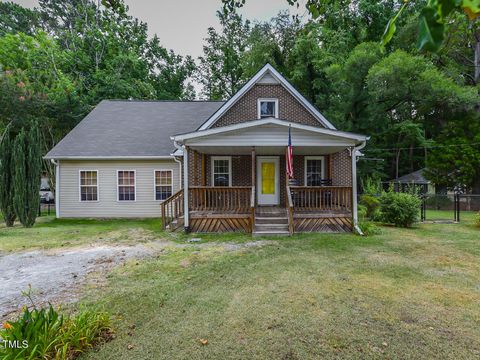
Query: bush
46	334
369	228
477	219
361	211
400	209
372	204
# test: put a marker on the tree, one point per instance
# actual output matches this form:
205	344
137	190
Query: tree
15	18
27	165
454	159
432	22
220	70
6	178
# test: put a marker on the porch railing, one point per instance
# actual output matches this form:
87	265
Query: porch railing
323	198
172	209
235	199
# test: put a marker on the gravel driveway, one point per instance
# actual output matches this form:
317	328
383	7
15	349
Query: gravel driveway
55	274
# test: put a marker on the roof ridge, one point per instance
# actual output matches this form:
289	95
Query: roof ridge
155	100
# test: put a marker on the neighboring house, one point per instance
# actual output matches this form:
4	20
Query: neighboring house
225	160
415	180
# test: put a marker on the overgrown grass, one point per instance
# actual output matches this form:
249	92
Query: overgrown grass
404	293
49	232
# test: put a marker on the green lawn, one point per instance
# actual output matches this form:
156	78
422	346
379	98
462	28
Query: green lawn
49	232
404	293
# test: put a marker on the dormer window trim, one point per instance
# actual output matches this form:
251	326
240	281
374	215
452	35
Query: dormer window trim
259	102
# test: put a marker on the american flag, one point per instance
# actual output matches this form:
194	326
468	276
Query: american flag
289	155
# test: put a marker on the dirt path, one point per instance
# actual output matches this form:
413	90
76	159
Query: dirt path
56	275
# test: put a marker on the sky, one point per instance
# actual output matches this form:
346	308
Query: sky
182	24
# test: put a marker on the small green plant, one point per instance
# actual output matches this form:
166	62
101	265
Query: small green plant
400	209
372	186
47	334
362	211
369	228
372	204
477	219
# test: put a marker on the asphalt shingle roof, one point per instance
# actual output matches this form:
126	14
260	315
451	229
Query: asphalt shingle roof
415	177
117	128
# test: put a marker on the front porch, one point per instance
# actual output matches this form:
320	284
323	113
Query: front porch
234	179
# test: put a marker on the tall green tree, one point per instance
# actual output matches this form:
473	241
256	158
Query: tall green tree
6	178
27	169
220	70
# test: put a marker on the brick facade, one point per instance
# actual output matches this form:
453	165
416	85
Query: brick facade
245	109
338	166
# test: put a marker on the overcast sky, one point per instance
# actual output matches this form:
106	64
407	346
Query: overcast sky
182	24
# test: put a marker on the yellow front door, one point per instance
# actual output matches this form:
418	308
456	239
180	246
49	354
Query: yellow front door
267	180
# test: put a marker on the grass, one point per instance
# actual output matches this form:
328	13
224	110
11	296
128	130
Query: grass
49	232
406	293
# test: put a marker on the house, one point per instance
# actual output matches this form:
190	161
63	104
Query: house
211	166
415	180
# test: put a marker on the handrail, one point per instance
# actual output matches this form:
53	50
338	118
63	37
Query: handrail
290	210
172	208
252	209
323	198
220	198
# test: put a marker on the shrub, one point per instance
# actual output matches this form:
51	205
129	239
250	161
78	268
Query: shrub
400	209
47	334
372	204
362	211
369	228
477	219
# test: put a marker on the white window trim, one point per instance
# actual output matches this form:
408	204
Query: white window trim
305	166
155	183
80	187
229	158
259	101
118	185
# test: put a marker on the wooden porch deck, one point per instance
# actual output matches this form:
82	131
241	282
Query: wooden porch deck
234	209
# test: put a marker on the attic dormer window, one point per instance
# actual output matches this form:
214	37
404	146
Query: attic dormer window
267	108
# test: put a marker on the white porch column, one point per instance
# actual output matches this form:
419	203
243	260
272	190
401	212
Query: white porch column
354	187
186	223
354	151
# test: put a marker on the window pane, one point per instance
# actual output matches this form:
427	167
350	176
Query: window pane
88	186
314	172
267	109
163	192
221	172
221	179
163	184
126	185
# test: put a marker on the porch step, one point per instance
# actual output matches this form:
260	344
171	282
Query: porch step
271	233
271	227
260	220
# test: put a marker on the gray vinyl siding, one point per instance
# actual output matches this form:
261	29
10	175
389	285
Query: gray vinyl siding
107	205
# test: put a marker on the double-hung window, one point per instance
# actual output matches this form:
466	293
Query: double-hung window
314	170
267	108
88	185
163	184
222	171
126	185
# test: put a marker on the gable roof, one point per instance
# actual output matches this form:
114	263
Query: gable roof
415	177
267	70
132	129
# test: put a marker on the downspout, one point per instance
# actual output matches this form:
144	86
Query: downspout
57	187
355	149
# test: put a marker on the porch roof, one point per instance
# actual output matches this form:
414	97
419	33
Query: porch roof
269	136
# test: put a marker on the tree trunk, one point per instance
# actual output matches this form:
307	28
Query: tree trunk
397	160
